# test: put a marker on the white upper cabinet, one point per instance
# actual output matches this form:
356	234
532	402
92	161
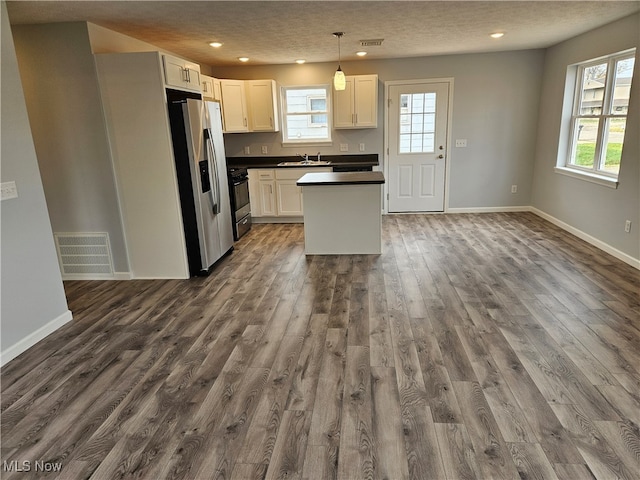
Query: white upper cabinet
250	106
234	106
210	88
262	98
357	105
181	74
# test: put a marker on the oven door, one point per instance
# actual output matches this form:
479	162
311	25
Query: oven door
240	193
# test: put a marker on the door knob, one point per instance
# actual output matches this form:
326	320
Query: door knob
440	156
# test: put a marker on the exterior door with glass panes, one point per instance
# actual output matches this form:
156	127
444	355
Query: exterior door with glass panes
417	118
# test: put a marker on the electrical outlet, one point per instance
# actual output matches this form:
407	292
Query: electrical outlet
461	142
344	147
627	226
514	188
247	150
362	147
264	149
9	190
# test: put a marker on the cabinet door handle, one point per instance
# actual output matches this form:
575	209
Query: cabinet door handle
245	121
204	87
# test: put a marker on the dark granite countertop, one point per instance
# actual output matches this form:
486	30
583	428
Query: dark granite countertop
341	178
370	159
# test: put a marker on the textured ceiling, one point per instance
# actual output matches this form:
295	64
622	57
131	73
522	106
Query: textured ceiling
277	32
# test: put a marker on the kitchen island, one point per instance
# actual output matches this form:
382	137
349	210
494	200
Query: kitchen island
342	212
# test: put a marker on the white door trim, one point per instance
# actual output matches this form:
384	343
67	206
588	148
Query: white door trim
385	156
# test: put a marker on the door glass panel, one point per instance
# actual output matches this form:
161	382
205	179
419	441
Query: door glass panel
417	123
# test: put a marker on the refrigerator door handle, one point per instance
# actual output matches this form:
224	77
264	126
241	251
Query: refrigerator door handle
215	172
215	186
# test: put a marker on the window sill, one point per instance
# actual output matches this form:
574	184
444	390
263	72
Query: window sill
588	177
308	144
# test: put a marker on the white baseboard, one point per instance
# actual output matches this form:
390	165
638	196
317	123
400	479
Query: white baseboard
628	259
34	337
115	276
277	219
489	209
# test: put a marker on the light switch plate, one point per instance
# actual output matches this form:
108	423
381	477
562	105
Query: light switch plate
461	143
344	147
9	190
247	150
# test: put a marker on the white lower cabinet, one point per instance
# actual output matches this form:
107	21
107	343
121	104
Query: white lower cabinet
267	204
274	193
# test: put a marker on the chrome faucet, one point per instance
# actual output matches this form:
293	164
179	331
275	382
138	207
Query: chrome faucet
318	157
305	157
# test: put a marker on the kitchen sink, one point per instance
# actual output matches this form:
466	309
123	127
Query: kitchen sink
303	163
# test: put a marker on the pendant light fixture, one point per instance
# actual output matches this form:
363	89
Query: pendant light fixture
339	82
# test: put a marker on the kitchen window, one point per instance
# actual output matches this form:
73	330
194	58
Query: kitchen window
599	117
306	114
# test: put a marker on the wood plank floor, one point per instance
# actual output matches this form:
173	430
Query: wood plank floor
486	346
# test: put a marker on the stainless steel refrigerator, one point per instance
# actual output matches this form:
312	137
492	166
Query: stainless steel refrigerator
196	128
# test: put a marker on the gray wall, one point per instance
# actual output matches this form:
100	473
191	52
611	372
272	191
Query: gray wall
596	210
495	107
32	292
65	111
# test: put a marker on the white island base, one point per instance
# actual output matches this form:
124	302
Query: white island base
342	213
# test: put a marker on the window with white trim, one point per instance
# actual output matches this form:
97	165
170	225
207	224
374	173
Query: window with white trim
306	114
599	116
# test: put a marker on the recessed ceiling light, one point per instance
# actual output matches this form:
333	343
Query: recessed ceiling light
361	54
243	59
215	44
497	35
301	61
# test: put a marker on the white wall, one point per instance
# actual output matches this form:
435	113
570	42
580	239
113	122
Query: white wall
593	210
495	107
33	300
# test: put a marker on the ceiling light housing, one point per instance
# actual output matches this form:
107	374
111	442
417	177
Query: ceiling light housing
243	59
361	54
216	44
497	35
300	61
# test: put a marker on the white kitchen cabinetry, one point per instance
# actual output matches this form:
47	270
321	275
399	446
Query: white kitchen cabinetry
262	100
357	105
234	106
181	74
132	88
210	88
288	194
274	193
266	198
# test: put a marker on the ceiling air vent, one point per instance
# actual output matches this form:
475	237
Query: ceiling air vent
376	42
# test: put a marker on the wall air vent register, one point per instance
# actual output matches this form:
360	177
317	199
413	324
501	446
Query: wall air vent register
84	254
